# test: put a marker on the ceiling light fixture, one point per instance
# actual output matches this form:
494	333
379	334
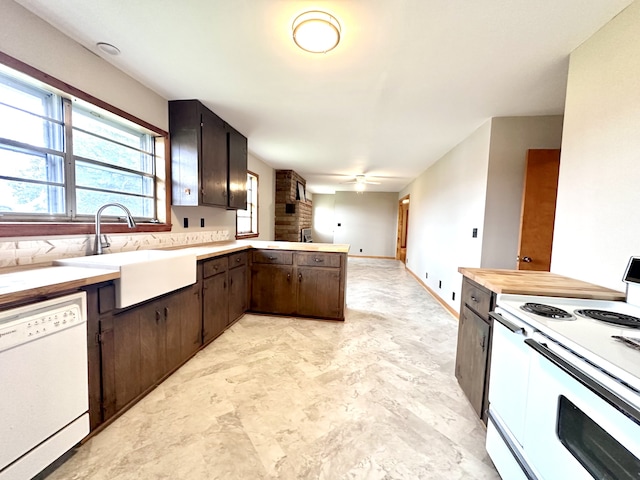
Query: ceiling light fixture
316	31
360	187
108	48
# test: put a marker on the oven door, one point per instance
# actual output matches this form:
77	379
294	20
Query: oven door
579	425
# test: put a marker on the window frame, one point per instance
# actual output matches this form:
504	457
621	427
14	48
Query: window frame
252	234
27	228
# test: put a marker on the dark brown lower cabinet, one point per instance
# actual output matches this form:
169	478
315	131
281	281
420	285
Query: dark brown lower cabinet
471	365
298	283
141	345
238	292
318	295
273	289
474	345
215	306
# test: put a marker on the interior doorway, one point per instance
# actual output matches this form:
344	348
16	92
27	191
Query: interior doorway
403	229
538	209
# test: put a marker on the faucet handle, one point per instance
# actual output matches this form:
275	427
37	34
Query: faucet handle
104	242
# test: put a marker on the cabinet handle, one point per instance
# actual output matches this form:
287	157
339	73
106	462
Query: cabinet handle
230	281
318	260
474	299
238	260
224	284
157	316
288	277
483	342
166	312
299	277
272	258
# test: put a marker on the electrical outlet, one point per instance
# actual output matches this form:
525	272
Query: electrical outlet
202	222
474	233
426	275
360	250
453	296
439	283
185	222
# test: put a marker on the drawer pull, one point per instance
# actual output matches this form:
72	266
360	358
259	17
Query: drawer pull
238	260
272	258
318	260
474	299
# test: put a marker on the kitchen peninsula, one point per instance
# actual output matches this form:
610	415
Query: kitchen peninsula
131	350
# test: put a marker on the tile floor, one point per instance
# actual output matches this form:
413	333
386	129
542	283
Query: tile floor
281	398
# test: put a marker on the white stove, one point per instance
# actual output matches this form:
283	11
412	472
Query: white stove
595	340
564	392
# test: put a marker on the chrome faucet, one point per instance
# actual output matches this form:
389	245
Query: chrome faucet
99	244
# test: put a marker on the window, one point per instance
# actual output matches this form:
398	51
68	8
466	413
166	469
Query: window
63	154
247	220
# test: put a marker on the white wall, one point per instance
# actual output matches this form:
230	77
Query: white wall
511	137
447	202
323	217
597	220
266	196
35	42
368	222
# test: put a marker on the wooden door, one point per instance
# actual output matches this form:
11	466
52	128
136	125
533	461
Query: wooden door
538	210
191	320
403	229
319	292
152	342
121	360
213	167
237	169
272	289
471	357
215	306
238	292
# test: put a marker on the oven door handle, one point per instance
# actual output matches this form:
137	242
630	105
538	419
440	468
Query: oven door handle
503	321
598	389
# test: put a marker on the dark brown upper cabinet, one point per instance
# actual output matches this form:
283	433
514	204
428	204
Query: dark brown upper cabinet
208	158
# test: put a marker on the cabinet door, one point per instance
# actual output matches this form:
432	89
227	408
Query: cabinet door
152	342
272	289
238	292
172	313
471	356
237	170
121	360
191	321
319	292
215	306
213	160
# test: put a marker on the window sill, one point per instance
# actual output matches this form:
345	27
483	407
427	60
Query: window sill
42	229
247	235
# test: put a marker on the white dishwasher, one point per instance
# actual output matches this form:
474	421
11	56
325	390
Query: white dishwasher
44	398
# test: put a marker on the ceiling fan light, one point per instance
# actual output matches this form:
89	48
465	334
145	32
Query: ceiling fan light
360	186
316	31
360	179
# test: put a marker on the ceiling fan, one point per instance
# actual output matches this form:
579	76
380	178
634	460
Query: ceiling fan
362	179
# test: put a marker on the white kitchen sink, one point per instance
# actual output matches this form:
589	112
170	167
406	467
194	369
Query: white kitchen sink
144	274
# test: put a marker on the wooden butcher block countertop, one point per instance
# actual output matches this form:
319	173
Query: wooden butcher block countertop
547	284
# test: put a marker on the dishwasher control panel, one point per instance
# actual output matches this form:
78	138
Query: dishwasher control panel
18	326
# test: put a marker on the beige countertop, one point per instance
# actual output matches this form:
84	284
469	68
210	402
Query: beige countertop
21	283
538	283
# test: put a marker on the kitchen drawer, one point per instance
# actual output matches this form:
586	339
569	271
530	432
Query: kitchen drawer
272	256
477	298
214	266
237	259
318	259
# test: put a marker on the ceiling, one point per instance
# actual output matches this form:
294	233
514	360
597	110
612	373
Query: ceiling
409	80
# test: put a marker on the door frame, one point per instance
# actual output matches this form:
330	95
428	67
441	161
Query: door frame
403	227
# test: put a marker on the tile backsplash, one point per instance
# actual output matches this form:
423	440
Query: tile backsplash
27	252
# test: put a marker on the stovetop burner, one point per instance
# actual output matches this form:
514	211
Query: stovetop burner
547	311
610	317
